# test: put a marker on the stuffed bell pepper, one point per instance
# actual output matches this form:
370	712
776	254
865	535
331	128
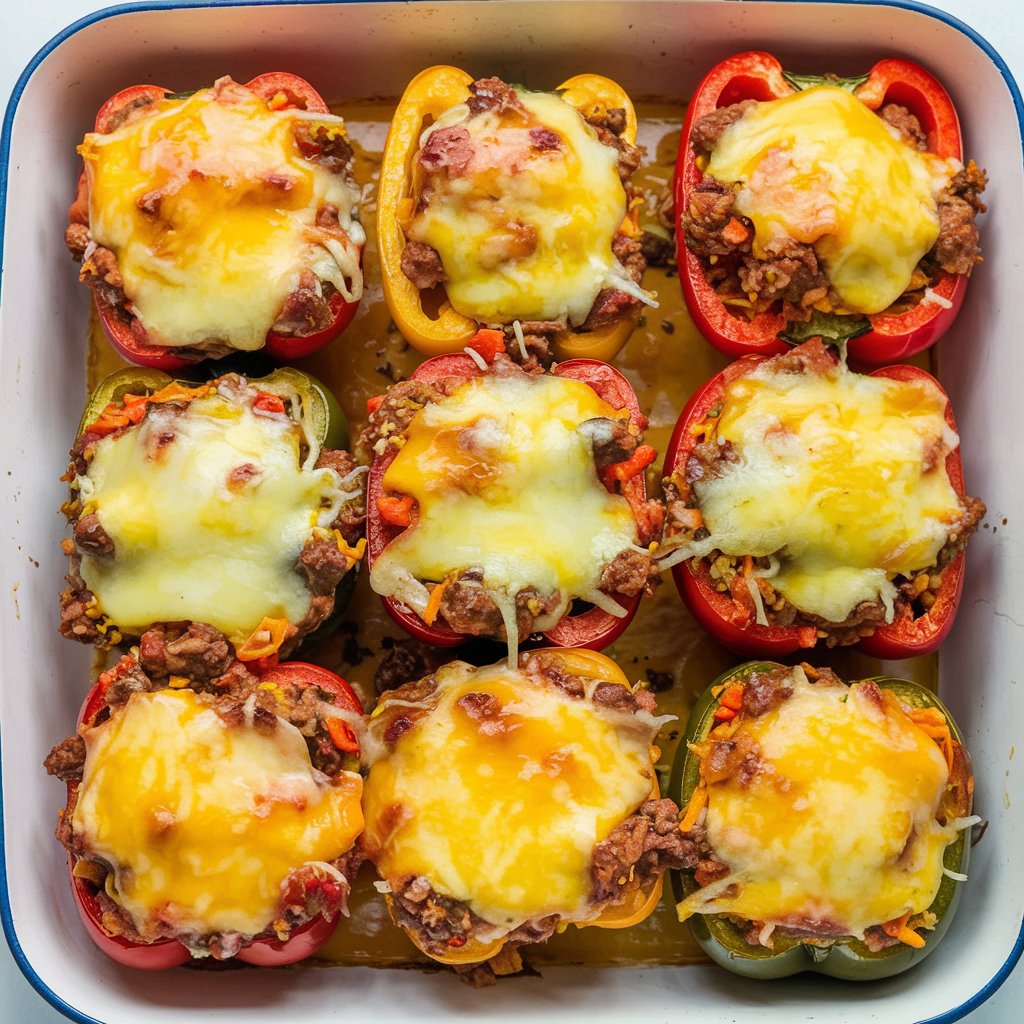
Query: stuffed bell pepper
499	496
807	503
818	206
224	513
825	823
218	221
212	818
506	208
504	804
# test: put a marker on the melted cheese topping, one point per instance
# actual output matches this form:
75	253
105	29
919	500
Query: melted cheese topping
234	209
841	476
820	167
194	539
505	483
502	812
202	822
839	827
525	233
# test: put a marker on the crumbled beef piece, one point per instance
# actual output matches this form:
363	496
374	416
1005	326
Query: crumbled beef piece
968	185
91	537
325	147
740	757
765	691
709	211
612	440
67	759
637	849
617	697
322	565
707	130
493	94
401	403
468	608
789	271
127	683
551	668
906	124
77	239
610	306
306	310
422	265
609	126
629	573
811	357
196	651
957	249
76	602
629	252
544	139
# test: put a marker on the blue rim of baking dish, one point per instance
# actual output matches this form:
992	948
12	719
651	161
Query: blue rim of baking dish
6	917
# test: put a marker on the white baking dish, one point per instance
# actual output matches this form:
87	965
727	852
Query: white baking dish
365	49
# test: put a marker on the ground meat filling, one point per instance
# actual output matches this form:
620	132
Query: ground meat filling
632	856
321	563
451	149
306	311
227	686
709	459
789	276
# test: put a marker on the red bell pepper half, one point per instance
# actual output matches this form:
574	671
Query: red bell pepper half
759	76
164	953
594	628
281	91
732	624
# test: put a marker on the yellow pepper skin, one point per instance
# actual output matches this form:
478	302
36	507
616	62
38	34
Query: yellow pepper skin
427	96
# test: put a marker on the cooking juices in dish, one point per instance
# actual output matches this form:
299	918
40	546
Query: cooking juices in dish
824	207
825	822
503	804
227	504
808	503
218	221
513	209
497	496
212	817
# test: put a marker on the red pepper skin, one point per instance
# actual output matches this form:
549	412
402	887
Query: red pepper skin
759	76
165	953
594	629
732	625
133	344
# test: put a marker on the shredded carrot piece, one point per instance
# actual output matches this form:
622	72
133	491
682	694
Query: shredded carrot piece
434	604
933	723
132	408
724	715
487	342
748	565
266	639
395	509
734	232
897	928
373	404
697	803
620	472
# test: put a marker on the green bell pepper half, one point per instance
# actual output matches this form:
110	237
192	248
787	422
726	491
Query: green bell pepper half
849	959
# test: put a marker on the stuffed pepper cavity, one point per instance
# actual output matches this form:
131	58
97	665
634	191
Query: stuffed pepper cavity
212	817
503	804
218	221
808	503
818	206
825	823
498	496
512	209
224	512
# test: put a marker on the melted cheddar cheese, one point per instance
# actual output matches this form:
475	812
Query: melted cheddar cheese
200	822
820	167
503	811
211	210
506	483
837	830
209	509
525	232
840	476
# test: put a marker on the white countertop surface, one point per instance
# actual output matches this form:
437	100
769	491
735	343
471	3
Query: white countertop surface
25	27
